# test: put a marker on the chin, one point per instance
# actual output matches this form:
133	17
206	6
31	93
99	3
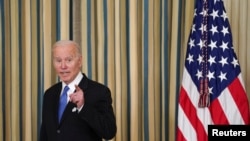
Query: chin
66	80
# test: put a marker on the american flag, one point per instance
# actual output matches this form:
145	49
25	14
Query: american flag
212	90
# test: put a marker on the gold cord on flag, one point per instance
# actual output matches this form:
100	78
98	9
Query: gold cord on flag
204	100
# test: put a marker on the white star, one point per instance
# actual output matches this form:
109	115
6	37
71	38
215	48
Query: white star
212	45
222	76
216	1
190	58
191	43
224	46
215	14
200	44
211	60
195	12
213	29
193	28
210	90
199	74
235	62
200	59
203	28
224	15
210	75
225	30
223	61
203	12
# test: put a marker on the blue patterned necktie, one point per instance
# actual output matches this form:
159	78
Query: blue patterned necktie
63	102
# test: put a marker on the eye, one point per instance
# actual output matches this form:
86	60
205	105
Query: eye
57	60
69	60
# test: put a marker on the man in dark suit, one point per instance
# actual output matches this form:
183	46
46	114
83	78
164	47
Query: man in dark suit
88	114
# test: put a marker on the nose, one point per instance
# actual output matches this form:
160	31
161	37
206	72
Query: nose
63	64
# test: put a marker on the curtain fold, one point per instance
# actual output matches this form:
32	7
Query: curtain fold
136	47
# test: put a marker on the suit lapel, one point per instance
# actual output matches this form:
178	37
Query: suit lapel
70	106
57	98
84	83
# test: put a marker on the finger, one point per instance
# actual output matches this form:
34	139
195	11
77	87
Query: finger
72	98
77	88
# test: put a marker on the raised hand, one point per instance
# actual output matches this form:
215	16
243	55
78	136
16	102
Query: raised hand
77	97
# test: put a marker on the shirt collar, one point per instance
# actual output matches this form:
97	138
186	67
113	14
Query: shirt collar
76	81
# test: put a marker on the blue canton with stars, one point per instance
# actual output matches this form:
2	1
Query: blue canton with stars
222	63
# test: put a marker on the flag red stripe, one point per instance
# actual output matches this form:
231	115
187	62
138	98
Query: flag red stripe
217	113
240	97
210	56
190	112
180	136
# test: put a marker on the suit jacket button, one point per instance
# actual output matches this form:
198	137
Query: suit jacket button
58	131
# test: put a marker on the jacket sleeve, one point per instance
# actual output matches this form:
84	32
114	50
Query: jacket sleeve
99	114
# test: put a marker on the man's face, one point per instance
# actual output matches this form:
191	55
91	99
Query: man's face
67	62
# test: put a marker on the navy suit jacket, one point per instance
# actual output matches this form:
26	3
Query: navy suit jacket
95	121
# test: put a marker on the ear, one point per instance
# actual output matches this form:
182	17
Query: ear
80	61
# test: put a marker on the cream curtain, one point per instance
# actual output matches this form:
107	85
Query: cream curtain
136	47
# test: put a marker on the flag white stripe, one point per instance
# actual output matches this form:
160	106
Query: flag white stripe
202	113
241	81
185	126
229	105
230	108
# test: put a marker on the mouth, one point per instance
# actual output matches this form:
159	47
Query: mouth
64	73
